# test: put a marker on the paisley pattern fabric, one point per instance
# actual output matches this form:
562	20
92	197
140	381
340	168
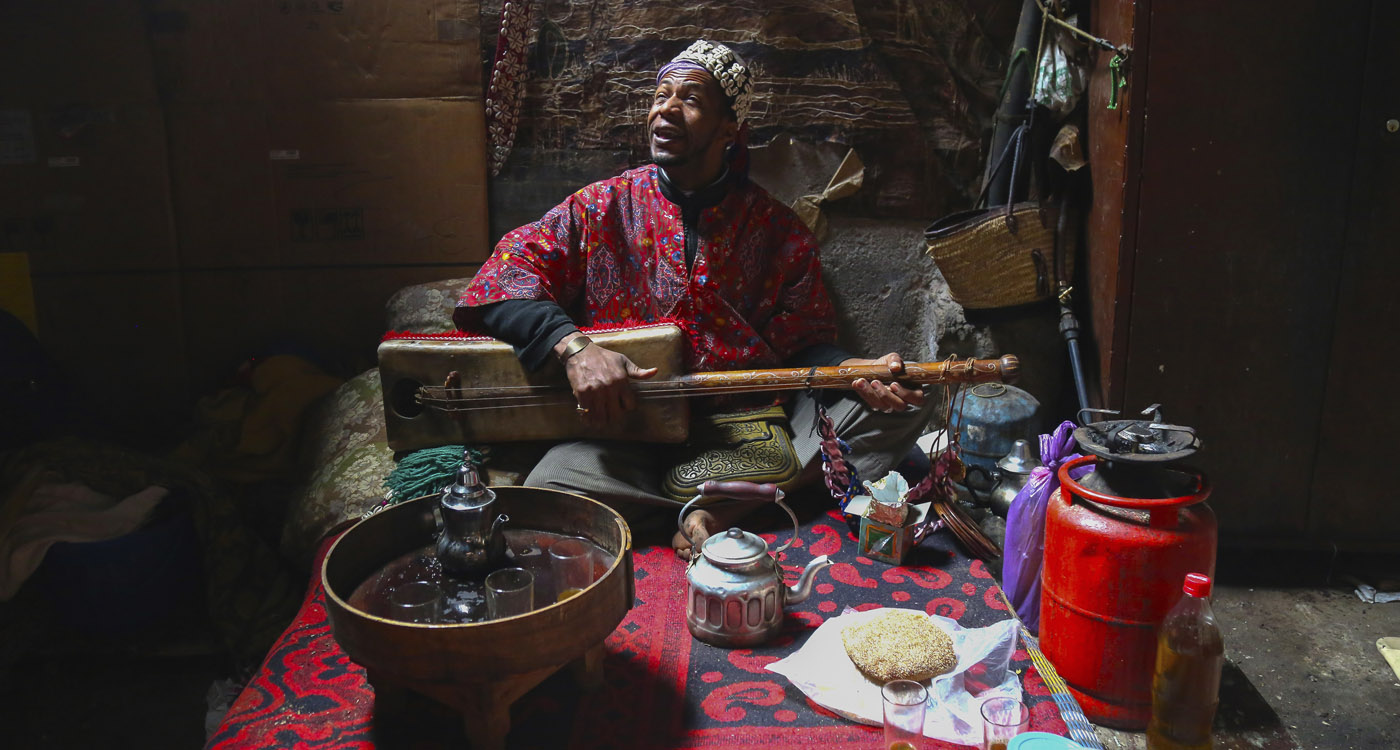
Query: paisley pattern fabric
424	308
349	454
614	254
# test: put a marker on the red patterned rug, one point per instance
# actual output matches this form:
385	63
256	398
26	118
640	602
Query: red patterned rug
663	689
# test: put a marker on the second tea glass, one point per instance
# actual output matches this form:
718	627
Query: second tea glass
510	592
571	564
904	701
416	601
1003	719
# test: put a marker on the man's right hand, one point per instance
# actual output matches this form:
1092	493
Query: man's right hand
601	381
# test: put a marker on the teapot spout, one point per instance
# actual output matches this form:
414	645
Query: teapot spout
803	588
496	539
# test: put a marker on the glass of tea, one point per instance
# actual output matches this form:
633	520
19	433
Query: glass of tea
904	701
1002	719
571	563
510	592
416	601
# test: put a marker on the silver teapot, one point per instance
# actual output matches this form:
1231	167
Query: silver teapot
471	543
1013	472
734	589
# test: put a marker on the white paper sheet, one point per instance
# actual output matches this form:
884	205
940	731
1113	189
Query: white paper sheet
822	670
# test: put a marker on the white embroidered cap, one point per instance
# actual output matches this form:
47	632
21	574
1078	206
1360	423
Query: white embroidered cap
727	68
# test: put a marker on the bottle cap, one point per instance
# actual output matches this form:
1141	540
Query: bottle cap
1197	585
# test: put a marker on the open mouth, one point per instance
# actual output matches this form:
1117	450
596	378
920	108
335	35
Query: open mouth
663	134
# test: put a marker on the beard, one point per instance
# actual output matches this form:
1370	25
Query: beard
667	159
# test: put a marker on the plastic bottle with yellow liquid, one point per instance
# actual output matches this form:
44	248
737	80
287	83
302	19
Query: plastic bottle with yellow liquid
1186	683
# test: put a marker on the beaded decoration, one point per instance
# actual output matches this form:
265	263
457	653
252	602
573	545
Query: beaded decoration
727	68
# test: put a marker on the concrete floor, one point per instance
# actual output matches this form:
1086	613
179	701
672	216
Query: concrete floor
1310	648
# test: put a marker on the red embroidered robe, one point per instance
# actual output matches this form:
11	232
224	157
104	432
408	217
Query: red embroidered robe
614	254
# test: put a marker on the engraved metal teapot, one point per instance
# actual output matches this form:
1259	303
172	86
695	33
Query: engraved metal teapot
734	589
1013	472
471	543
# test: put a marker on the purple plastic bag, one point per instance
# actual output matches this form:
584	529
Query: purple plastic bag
1025	526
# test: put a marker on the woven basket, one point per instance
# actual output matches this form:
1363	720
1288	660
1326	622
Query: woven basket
995	257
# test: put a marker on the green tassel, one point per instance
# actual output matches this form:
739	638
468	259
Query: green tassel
427	471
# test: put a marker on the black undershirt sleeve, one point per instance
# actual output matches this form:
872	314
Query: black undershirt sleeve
819	355
533	327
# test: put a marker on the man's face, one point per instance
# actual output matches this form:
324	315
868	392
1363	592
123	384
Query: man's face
689	124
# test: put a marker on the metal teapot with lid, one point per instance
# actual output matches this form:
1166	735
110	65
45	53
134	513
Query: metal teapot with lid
734	588
471	543
1013	472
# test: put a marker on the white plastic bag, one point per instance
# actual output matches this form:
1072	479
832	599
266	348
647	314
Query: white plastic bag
1059	77
822	671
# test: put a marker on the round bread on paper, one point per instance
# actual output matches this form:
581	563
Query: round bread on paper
899	645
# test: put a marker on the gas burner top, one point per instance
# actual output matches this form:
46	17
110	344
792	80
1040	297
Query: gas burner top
1137	441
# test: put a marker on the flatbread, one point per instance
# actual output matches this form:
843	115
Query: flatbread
898	644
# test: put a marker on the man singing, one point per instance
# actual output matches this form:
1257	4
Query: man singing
687	238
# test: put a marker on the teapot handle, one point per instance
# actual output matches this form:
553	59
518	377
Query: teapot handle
740	490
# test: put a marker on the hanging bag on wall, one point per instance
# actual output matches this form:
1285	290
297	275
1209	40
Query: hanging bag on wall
1004	255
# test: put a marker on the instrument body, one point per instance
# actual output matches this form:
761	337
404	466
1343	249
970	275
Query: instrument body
409	363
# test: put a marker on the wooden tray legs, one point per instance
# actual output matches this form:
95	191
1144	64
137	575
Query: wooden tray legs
485	708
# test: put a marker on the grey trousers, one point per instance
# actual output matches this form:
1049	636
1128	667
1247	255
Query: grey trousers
625	475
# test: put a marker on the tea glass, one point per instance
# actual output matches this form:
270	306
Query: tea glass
510	592
1003	719
571	563
416	601
904	701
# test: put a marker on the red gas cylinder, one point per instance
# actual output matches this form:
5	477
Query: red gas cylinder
1118	543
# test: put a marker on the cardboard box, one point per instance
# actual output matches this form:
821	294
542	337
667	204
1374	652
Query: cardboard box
86	187
73	52
84	183
301	50
330	183
881	537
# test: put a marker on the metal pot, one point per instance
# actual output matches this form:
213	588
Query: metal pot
734	589
471	541
991	419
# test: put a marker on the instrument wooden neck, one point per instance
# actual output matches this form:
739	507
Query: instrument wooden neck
919	374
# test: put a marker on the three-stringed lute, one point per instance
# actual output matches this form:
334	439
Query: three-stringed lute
449	389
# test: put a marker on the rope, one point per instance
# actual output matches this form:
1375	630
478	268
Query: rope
426	471
842	478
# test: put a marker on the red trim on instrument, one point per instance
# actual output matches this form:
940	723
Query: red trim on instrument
465	336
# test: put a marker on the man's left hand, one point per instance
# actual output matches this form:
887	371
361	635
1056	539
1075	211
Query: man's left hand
881	397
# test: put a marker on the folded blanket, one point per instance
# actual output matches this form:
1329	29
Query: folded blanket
68	512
